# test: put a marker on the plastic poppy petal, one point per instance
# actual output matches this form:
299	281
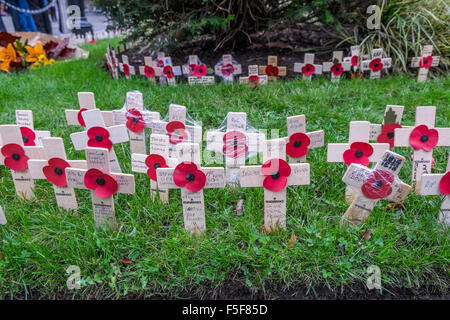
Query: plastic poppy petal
149	72
388	133
198	183
349	158
433	138
308	69
168	72
50	171
11	148
227	70
202	70
272	184
90	178
180	172
355	61
366	148
337	69
109	188
28	136
372	192
254	80
376	65
276	165
151	161
415	138
444	184
80	117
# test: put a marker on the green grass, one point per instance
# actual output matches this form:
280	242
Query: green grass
39	243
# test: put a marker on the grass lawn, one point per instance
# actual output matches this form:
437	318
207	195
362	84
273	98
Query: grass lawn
234	258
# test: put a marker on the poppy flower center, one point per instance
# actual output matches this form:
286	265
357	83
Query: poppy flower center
297	144
275	175
424	138
25	139
359	154
378	184
135	119
307	69
58	171
391	134
156	166
190	177
235	143
15	157
376	65
100	181
99	138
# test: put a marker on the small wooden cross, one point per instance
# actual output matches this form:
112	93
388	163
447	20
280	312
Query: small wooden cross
158	158
272	70
30	137
86	101
355	58
15	156
236	143
136	120
425	62
174	125
308	68
439	184
376	63
227	68
275	175
254	78
53	169
196	71
2	217
385	132
372	185
168	72
191	178
112	62
337	66
149	69
298	141
97	135
126	67
423	138
102	182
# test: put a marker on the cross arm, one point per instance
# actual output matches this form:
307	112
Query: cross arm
117	134
75	179
356	175
317	139
336	151
251	176
215	178
430	184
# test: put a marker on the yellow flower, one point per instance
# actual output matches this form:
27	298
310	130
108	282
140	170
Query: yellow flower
7	55
43	59
35	53
51	61
35	66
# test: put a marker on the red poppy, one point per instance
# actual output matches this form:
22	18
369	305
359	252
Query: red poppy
359	152
135	120
272	71
153	162
104	184
388	133
28	136
227	70
176	131
298	145
378	184
126	69
55	171
109	68
308	69
444	185
99	138
423	138
234	144
15	157
200	70
337	69
160	63
80	117
149	72
93	42
168	71
426	62
355	61
276	172
186	174
376	65
254	80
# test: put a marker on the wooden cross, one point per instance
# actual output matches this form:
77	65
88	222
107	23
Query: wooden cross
423	138
53	169
385	132
298	141
439	184
355	58
112	62
86	101
126	67
236	143
24	119
376	63
136	120
227	68
168	72
149	69
308	68
272	70
102	182
275	175
425	62
372	185
337	66
15	156
254	78
159	157
191	179
174	125
196	71
97	135
2	217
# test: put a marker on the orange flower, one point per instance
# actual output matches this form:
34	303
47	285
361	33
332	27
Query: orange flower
7	55
35	53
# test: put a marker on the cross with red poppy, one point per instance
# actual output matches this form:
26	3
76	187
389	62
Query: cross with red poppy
438	184
126	67
15	156
136	119
158	158
385	132
2	217
53	169
227	68
97	135
299	142
150	69
168	70
30	137
274	176
355	58
308	68
375	63
254	79
86	100
425	62
336	66
191	178
196	71
272	70
372	185
423	138
111	59
103	184
236	143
